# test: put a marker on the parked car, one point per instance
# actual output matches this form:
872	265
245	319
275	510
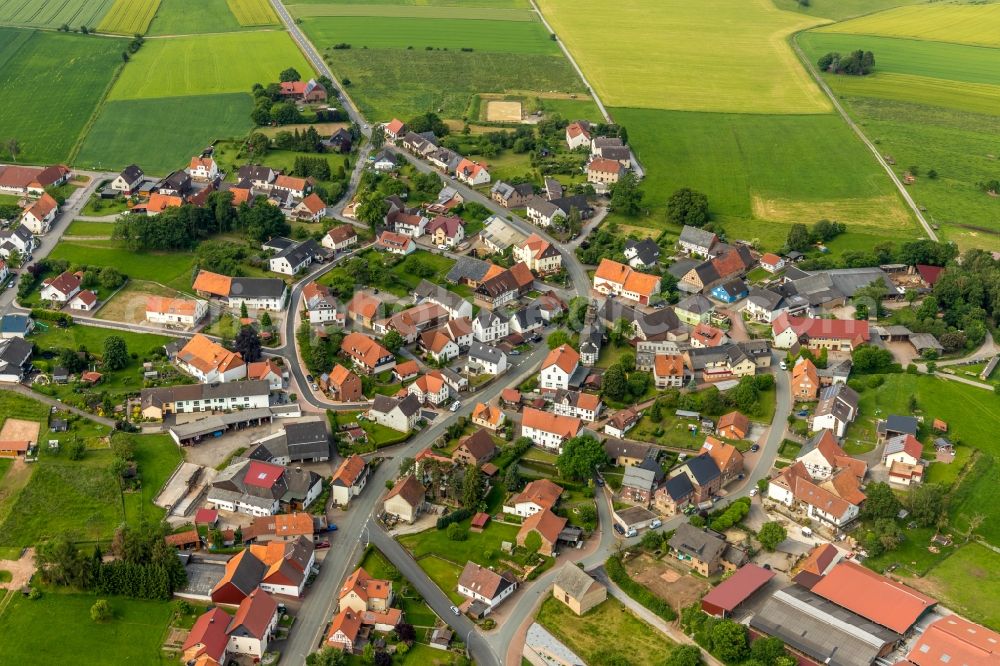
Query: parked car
753	492
631	532
755	448
322	544
455	611
442	246
331	528
513	352
656	523
619	529
455	406
783	365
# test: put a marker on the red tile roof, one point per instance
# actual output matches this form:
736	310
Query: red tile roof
206	517
929	274
873	596
262	475
855	330
210	632
953	639
736	589
563	356
255	613
350	470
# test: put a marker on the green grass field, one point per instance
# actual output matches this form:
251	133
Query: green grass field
487	4
940	60
389	32
575	109
253	12
972	23
132	637
172	269
177	126
839	10
731	55
759	170
935	106
197	65
967	583
37	68
431	11
83	228
603	631
388	82
48	14
192	17
129	17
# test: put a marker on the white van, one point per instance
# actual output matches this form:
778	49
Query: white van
806	532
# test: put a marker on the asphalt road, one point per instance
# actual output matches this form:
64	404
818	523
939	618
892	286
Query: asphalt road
357	527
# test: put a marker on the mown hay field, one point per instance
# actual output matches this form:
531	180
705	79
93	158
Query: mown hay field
977	24
728	56
486	4
392	32
50	85
414	11
197	65
387	83
178	127
129	17
48	14
253	12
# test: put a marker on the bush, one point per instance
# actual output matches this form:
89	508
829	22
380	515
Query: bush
456	516
618	575
457	533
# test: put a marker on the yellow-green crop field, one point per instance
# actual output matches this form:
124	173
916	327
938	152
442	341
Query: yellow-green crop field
726	56
129	17
977	24
191	65
253	12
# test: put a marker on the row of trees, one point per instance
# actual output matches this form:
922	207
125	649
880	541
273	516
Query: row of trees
144	566
801	238
857	63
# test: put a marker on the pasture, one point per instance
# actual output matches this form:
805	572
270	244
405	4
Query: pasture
967	583
387	83
192	17
765	168
391	32
731	55
253	12
129	17
133	636
177	126
42	67
47	14
174	269
973	23
583	108
490	4
196	65
839	10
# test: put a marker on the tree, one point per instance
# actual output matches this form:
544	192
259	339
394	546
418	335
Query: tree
258	144
472	487
109	278
926	503
290	74
729	641
100	611
687	206
392	341
372	209
533	541
247	343
767	650
626	196
868	359
580	457
614	383
798	238
456	532
558	338
652	540
771	534
405	632
512	478
13	147
76	449
684	655
115	353
881	502
265	320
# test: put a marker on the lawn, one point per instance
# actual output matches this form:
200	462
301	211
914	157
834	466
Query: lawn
39	67
445	575
758	170
129	17
192	17
178	127
48	14
490	4
89	229
605	630
253	12
132	637
416	610
173	269
92	338
395	82
967	583
482	547
972	23
452	34
572	109
199	65
840	9
731	55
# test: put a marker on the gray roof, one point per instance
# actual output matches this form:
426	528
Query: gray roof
528	317
409	405
307	439
500	234
654	324
700	544
695	304
839	400
574	581
297	253
821	629
696	236
131	173
764	298
279	243
679	487
615	448
14	352
897	423
243	287
299	482
385	404
682	267
248	574
703	468
544	208
446	299
222	390
468	268
15	323
922	341
487	317
643	476
578	201
647	251
483	352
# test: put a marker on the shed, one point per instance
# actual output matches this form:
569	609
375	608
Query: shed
730	593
